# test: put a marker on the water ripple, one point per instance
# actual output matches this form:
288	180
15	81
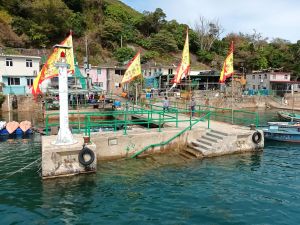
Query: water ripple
240	189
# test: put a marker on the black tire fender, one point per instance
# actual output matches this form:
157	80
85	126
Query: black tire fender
86	151
256	137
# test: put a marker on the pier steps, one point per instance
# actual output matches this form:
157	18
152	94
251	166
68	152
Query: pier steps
205	145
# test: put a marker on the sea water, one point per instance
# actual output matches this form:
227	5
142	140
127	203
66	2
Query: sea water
261	188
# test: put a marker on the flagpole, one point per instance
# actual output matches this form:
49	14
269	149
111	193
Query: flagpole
232	98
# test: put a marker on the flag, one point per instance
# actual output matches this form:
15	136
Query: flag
49	69
227	69
184	66
133	69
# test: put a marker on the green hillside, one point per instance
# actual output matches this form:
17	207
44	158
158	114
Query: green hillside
114	32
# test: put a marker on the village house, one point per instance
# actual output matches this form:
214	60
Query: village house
17	73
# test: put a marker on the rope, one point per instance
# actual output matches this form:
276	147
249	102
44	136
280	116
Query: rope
19	170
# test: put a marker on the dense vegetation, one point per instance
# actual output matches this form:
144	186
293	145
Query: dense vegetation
115	32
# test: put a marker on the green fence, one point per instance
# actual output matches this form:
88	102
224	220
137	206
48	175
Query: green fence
148	115
88	122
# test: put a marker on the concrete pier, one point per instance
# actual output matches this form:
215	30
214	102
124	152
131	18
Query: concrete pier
62	160
199	142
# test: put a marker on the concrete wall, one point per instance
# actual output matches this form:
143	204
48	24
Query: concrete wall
112	145
25	103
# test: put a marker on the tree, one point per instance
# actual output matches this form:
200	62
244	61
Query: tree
208	31
163	41
124	54
152	22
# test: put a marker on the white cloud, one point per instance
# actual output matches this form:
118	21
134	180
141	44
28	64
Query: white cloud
272	18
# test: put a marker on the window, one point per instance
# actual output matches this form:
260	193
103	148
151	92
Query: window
258	87
266	76
98	71
259	76
285	77
9	62
253	87
13	81
253	77
100	84
170	71
29	81
149	73
28	63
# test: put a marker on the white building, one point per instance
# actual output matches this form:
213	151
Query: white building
17	73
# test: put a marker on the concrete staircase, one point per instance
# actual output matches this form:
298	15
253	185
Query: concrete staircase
204	145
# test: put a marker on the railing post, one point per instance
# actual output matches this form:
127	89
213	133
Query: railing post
256	119
159	122
208	121
190	121
47	120
148	120
177	117
115	123
125	120
89	126
85	125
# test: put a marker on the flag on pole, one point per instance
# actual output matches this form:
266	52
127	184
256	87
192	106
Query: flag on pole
227	70
184	66
133	69
49	69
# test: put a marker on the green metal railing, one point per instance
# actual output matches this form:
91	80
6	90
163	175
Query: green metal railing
238	117
149	115
175	136
116	120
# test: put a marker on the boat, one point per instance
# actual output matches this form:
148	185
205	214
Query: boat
290	116
25	125
284	124
2	125
12	126
282	133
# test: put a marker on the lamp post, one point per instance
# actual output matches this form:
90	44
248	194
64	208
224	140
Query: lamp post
64	136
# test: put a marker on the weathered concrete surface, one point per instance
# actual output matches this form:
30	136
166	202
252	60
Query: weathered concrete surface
63	160
25	104
113	145
218	142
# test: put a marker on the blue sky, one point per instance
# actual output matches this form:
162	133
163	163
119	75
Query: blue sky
271	18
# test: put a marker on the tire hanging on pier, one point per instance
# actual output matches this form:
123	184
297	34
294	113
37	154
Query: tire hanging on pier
256	137
86	151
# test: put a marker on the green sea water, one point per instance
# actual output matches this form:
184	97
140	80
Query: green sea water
260	188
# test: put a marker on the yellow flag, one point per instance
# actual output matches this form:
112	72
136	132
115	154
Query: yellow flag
227	69
49	70
133	69
184	67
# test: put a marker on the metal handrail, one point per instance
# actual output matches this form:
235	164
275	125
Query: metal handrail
175	136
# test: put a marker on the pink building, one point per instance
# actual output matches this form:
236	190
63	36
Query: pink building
98	76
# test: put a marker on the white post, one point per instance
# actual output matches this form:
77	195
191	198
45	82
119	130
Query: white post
64	136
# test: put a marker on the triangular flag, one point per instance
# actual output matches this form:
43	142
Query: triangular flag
227	69
49	69
133	69
184	66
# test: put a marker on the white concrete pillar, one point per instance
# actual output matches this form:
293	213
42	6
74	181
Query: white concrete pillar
64	136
